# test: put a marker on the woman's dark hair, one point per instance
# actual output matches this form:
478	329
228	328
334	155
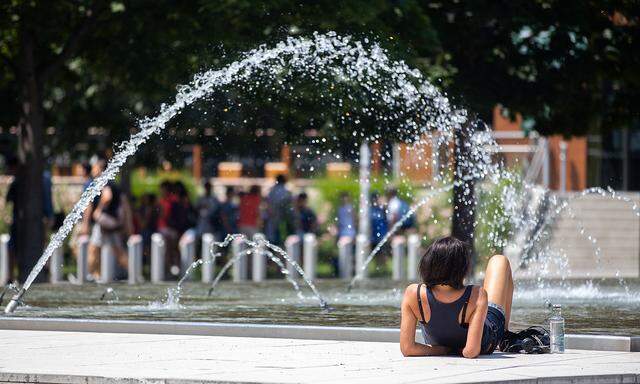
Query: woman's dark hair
445	262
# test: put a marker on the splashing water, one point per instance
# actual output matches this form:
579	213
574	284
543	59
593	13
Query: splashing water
393	230
174	293
283	270
564	205
391	83
416	108
259	244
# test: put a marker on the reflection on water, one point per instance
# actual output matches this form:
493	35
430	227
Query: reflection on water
588	307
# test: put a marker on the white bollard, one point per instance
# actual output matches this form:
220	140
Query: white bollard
310	255
187	247
362	251
292	247
82	262
134	250
259	260
107	264
345	257
5	273
398	257
158	251
55	266
413	256
240	270
563	166
206	253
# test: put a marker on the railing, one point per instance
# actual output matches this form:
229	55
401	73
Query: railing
303	250
538	168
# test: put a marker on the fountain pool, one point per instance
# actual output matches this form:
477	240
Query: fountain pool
588	307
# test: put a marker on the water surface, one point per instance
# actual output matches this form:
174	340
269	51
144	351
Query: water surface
596	308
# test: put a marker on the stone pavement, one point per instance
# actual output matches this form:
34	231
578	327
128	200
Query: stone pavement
84	357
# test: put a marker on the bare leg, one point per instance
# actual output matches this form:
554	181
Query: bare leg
94	260
122	257
498	282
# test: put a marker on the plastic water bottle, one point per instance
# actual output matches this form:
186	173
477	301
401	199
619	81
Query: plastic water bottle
556	326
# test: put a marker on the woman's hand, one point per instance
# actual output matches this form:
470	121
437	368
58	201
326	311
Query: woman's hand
476	326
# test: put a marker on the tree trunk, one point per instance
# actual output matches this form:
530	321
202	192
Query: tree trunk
463	190
30	231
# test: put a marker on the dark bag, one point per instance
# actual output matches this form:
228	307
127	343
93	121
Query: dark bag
530	340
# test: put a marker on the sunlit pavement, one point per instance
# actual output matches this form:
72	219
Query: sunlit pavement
74	357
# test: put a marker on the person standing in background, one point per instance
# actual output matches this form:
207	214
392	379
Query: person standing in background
168	201
112	226
346	217
229	214
207	206
148	218
96	167
397	209
278	211
183	216
378	219
249	212
305	220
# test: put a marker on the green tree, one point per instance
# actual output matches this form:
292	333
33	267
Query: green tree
71	64
568	66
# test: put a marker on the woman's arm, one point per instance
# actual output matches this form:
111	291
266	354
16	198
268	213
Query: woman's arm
408	345
476	326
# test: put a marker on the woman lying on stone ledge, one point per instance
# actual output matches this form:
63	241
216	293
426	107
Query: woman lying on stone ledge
454	318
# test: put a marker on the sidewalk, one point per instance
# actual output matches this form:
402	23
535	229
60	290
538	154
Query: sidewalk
78	357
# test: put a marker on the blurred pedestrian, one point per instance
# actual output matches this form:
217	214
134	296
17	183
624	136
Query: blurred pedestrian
96	166
378	219
249	212
346	217
397	209
24	267
229	214
278	211
148	212
305	220
112	225
183	216
167	223
207	207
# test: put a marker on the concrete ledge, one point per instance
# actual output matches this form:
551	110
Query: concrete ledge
581	342
6	377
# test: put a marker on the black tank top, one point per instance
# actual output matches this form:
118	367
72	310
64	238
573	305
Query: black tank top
443	327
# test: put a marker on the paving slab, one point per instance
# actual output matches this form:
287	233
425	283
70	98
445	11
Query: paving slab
93	357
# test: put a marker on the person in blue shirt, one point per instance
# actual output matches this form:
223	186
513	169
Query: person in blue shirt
378	219
305	219
346	219
397	209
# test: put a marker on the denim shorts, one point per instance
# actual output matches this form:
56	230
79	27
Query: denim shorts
493	331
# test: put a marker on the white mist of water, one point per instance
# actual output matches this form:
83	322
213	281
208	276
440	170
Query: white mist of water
392	83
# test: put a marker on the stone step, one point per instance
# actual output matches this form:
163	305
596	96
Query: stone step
614	225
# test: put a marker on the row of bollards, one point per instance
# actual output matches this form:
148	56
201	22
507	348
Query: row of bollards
405	255
135	250
301	250
207	252
4	259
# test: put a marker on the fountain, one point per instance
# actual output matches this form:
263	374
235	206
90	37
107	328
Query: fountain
322	55
416	109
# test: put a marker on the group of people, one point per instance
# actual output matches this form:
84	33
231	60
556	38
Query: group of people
111	218
383	216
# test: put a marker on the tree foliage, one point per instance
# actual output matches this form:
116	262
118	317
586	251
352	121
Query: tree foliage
569	66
